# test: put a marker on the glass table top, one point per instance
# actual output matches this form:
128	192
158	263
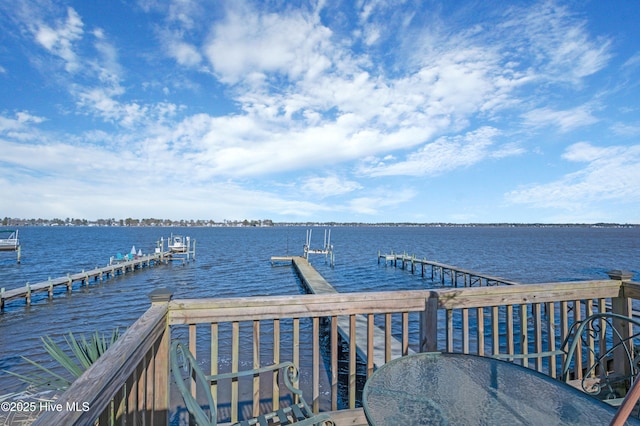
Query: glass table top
458	389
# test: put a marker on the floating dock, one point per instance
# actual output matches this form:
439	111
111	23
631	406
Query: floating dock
314	283
446	274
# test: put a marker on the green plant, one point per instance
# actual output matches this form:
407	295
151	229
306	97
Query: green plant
85	352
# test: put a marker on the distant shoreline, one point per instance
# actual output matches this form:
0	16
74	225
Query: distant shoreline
162	223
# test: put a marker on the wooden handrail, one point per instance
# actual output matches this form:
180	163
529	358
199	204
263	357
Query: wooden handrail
189	311
459	298
87	398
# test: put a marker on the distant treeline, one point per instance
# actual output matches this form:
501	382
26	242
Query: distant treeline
7	221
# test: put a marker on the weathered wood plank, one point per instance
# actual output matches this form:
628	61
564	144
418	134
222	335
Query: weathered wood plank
529	293
100	383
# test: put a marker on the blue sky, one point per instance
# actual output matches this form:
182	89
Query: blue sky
367	111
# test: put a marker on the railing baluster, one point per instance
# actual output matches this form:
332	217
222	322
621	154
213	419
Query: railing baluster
276	360
537	330
449	330
235	355
334	363
509	331
524	333
564	327
387	337
465	330
215	346
192	349
577	316
495	330
256	364
551	337
352	361
480	326
315	392
590	339
405	333
370	343
131	386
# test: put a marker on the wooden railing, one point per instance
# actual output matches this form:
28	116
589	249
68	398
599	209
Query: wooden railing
130	384
127	385
526	319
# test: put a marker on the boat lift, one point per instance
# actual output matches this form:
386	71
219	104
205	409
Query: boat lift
9	241
327	249
179	247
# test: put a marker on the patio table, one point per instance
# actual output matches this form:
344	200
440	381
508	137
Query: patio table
459	389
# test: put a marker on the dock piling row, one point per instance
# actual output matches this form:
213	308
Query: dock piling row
83	277
457	277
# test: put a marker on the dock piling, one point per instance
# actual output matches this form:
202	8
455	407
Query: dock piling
440	271
83	277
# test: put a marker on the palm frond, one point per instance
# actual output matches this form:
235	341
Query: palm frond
85	352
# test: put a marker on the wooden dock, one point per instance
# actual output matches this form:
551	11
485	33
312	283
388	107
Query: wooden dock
446	274
84	278
314	283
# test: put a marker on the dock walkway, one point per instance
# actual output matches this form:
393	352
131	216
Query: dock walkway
84	277
458	277
316	284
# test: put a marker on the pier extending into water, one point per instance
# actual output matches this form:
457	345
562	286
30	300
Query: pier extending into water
446	274
84	278
386	345
119	265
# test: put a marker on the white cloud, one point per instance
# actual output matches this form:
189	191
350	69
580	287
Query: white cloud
329	186
551	39
185	53
247	42
565	120
383	198
59	40
612	173
444	155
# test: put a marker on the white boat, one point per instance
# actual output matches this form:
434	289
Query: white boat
9	240
178	244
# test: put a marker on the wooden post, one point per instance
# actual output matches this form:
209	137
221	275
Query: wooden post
429	324
2	298
621	305
28	294
161	363
50	291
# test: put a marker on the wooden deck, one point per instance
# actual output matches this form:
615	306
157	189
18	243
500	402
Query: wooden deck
83	278
130	384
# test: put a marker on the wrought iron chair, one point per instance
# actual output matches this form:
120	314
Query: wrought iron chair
590	346
598	340
185	369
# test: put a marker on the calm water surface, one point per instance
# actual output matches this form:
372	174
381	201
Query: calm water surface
236	262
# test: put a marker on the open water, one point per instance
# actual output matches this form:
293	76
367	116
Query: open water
236	262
